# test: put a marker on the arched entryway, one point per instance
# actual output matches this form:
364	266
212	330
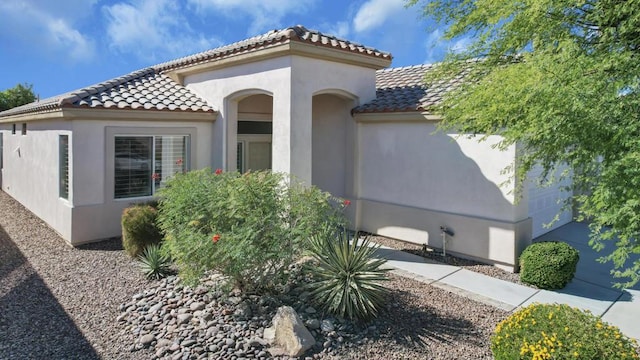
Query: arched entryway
250	131
255	130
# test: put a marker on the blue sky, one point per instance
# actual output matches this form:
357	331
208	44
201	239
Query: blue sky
63	45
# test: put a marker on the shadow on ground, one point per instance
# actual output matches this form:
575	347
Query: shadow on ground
33	325
110	244
421	325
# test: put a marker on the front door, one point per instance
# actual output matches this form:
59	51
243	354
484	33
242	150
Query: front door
254	152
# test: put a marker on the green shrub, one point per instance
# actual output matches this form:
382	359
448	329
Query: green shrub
347	276
548	265
559	332
139	229
249	227
154	263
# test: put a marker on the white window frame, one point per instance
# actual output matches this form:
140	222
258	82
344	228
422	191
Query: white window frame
112	131
61	172
154	184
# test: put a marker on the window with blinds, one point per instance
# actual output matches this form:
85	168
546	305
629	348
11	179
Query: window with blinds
144	163
63	164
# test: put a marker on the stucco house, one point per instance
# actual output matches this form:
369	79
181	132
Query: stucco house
295	100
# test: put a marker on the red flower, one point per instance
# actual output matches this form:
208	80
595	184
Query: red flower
215	238
218	171
179	162
346	203
155	176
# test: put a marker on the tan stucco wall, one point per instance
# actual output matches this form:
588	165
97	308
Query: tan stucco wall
546	202
94	187
412	180
256	104
413	165
492	241
333	144
30	173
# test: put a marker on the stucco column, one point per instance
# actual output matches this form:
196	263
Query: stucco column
291	143
231	137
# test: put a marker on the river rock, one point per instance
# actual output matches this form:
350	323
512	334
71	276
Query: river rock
288	335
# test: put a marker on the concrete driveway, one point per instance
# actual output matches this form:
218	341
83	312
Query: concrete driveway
592	288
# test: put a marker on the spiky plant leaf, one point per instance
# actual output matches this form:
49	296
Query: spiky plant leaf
347	276
154	263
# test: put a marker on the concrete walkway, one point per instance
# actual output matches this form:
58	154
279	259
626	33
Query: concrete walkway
591	289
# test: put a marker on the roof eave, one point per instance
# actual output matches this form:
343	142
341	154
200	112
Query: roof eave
69	113
138	114
395	117
48	114
343	56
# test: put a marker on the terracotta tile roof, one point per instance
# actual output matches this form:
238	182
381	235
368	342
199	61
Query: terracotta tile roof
140	90
403	89
273	38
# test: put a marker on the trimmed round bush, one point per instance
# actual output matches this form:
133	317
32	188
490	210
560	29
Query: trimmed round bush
552	331
139	229
549	264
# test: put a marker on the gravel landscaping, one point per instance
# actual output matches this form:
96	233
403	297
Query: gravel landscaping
58	302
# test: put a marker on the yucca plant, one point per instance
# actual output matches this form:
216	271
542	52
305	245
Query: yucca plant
346	276
154	263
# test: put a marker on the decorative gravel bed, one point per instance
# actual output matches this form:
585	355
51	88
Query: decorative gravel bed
175	322
436	255
58	302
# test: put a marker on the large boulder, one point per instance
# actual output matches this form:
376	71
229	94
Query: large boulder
288	335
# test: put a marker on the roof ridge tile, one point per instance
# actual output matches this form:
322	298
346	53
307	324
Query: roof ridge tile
293	33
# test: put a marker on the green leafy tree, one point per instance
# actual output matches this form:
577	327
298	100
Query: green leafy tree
561	79
18	95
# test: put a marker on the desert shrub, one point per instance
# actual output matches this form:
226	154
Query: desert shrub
549	264
346	276
249	227
139	228
154	263
559	332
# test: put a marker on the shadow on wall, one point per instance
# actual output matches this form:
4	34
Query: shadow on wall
33	325
414	180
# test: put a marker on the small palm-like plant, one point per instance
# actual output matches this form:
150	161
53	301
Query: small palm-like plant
154	263
346	276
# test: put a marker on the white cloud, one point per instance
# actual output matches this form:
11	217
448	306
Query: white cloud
62	34
375	13
436	47
265	14
341	29
153	30
462	44
47	28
